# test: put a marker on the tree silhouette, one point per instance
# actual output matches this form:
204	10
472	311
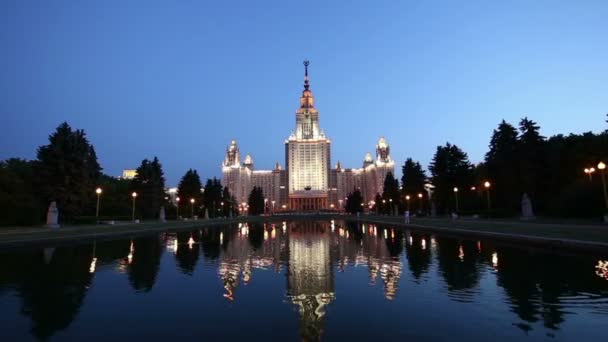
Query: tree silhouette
149	183
449	168
354	202
67	171
256	201
413	177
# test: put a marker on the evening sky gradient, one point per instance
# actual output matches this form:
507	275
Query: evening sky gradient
180	79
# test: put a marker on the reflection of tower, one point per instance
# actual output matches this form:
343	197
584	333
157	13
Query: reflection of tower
310	278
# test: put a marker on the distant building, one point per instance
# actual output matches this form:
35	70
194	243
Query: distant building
307	183
128	174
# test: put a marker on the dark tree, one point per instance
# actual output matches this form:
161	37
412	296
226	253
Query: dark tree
212	197
354	202
67	172
413	178
531	159
391	195
190	188
377	208
149	183
19	205
503	167
256	201
449	168
228	204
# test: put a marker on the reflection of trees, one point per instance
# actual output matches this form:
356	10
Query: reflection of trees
187	253
145	262
418	255
210	243
52	292
535	285
459	264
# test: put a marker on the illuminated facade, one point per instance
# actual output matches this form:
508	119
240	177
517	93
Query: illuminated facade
308	183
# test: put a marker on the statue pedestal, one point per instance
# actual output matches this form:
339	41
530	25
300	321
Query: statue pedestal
52	216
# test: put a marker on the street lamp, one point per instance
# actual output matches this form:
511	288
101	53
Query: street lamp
456	196
134	195
602	167
177	206
407	199
265	204
420	202
589	172
192	207
273	202
98	192
487	185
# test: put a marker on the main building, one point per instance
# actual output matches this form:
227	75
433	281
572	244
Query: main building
307	183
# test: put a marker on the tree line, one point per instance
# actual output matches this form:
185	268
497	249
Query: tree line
67	171
549	171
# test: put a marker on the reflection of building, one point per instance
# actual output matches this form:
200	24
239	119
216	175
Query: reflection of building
308	182
310	278
128	174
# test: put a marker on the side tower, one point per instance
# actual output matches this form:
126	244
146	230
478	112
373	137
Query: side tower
307	154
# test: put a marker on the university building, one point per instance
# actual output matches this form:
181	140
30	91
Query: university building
307	183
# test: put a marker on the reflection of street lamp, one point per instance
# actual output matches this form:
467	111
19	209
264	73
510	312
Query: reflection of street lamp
98	192
134	195
456	196
487	185
192	207
177	206
602	167
589	172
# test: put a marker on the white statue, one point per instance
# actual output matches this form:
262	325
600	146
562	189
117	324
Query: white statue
161	215
52	216
206	214
526	208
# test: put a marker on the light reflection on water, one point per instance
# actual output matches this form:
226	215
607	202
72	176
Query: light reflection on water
314	280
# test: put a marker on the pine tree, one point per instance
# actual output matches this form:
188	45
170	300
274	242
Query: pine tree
502	167
391	194
256	201
190	187
212	197
354	202
67	171
413	177
531	159
449	168
149	184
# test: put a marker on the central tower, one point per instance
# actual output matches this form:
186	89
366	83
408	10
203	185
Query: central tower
307	156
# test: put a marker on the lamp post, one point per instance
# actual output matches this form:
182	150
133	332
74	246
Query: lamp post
192	208
602	167
177	207
134	196
487	185
407	199
590	171
265	205
98	192
456	197
273	202
420	201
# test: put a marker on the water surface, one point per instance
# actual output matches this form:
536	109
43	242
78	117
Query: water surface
301	280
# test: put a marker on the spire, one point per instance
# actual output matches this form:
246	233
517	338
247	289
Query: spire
306	84
306	101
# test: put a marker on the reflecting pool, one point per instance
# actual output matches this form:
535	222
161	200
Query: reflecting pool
300	280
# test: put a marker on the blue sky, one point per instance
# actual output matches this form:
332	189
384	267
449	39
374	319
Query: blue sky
180	79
